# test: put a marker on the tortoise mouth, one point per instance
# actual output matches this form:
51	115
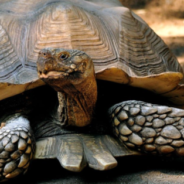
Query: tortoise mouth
64	74
52	74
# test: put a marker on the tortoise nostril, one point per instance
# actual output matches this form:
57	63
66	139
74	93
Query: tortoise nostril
45	72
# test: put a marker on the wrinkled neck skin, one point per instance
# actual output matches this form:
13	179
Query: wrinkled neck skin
77	102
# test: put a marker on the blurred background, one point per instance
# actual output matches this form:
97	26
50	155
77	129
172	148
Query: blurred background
166	18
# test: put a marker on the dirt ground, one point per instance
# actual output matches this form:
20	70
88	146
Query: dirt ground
131	170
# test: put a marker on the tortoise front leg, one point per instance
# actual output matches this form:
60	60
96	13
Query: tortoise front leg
16	147
149	128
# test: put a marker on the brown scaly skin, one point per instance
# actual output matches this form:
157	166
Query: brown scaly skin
71	73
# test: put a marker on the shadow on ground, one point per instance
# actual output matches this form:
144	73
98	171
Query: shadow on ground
131	170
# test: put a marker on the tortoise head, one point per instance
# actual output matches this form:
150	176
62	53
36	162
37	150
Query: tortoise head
61	67
70	72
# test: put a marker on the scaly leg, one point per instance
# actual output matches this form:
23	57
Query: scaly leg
17	146
149	128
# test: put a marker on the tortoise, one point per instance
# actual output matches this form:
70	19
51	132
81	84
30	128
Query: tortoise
68	45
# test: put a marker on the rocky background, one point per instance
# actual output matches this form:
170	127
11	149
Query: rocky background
166	18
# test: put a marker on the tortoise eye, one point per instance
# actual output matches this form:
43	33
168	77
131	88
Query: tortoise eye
64	56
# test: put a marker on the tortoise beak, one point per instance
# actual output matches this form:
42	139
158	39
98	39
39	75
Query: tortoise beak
45	62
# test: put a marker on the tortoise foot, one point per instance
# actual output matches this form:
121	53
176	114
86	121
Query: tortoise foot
76	151
149	128
16	147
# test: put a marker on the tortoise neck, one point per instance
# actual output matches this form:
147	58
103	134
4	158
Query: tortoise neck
77	102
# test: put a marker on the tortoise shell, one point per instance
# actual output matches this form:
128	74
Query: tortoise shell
123	47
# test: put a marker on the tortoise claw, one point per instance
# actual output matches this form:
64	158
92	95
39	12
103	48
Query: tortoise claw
97	154
67	149
70	153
